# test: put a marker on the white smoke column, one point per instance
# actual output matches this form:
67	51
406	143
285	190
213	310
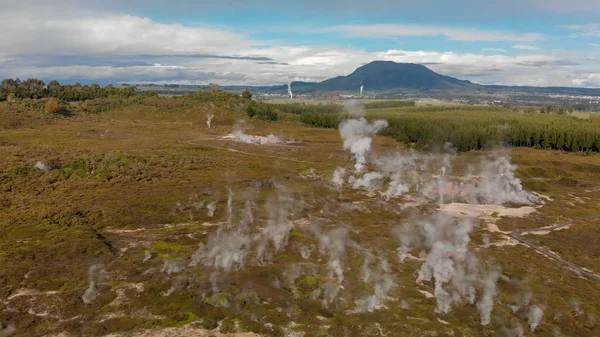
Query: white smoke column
276	233
361	90
449	263
290	90
239	135
407	238
230	209
228	248
485	239
334	243
95	273
498	184
357	135
147	256
338	178
41	166
486	304
379	279
370	181
225	250
211	208
171	267
402	170
306	252
354	108
209	120
534	317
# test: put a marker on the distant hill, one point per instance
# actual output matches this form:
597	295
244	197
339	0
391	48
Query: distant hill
388	75
381	76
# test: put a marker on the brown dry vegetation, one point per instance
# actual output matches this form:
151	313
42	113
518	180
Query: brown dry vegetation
117	169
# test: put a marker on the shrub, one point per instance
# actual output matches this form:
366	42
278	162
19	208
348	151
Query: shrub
53	106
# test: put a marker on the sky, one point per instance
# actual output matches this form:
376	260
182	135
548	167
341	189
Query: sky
265	42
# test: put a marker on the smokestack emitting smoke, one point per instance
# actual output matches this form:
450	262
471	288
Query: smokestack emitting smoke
290	90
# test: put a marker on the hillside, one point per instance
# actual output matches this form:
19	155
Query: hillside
388	75
381	76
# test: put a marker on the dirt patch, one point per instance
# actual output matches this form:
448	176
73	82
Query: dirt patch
188	331
485	212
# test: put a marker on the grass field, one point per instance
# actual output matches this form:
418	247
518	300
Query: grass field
126	189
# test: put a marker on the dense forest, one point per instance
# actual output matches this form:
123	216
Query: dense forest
320	108
35	89
476	127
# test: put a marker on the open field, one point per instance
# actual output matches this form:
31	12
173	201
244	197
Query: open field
139	220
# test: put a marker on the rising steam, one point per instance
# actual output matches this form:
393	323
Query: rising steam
95	275
209	119
357	135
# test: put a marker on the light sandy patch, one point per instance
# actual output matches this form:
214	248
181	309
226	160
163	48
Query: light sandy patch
443	322
164	226
426	293
121	296
506	241
460	210
546	230
142	314
31	292
541	196
412	257
251	139
125	231
492	227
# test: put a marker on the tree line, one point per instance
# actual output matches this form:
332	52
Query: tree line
476	128
35	89
320	108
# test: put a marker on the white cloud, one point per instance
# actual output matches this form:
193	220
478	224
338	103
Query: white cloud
525	47
584	30
115	35
495	50
131	48
454	34
594	44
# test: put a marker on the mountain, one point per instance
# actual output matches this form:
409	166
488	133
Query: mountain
389	75
382	76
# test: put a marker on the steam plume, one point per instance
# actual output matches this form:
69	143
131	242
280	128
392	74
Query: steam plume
357	135
290	90
41	166
486	305
209	120
534	317
95	274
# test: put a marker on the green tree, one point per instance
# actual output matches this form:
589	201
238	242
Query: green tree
247	94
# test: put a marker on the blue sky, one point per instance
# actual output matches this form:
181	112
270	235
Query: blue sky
513	42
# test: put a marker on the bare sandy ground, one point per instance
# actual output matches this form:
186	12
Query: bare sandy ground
184	331
485	212
187	331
